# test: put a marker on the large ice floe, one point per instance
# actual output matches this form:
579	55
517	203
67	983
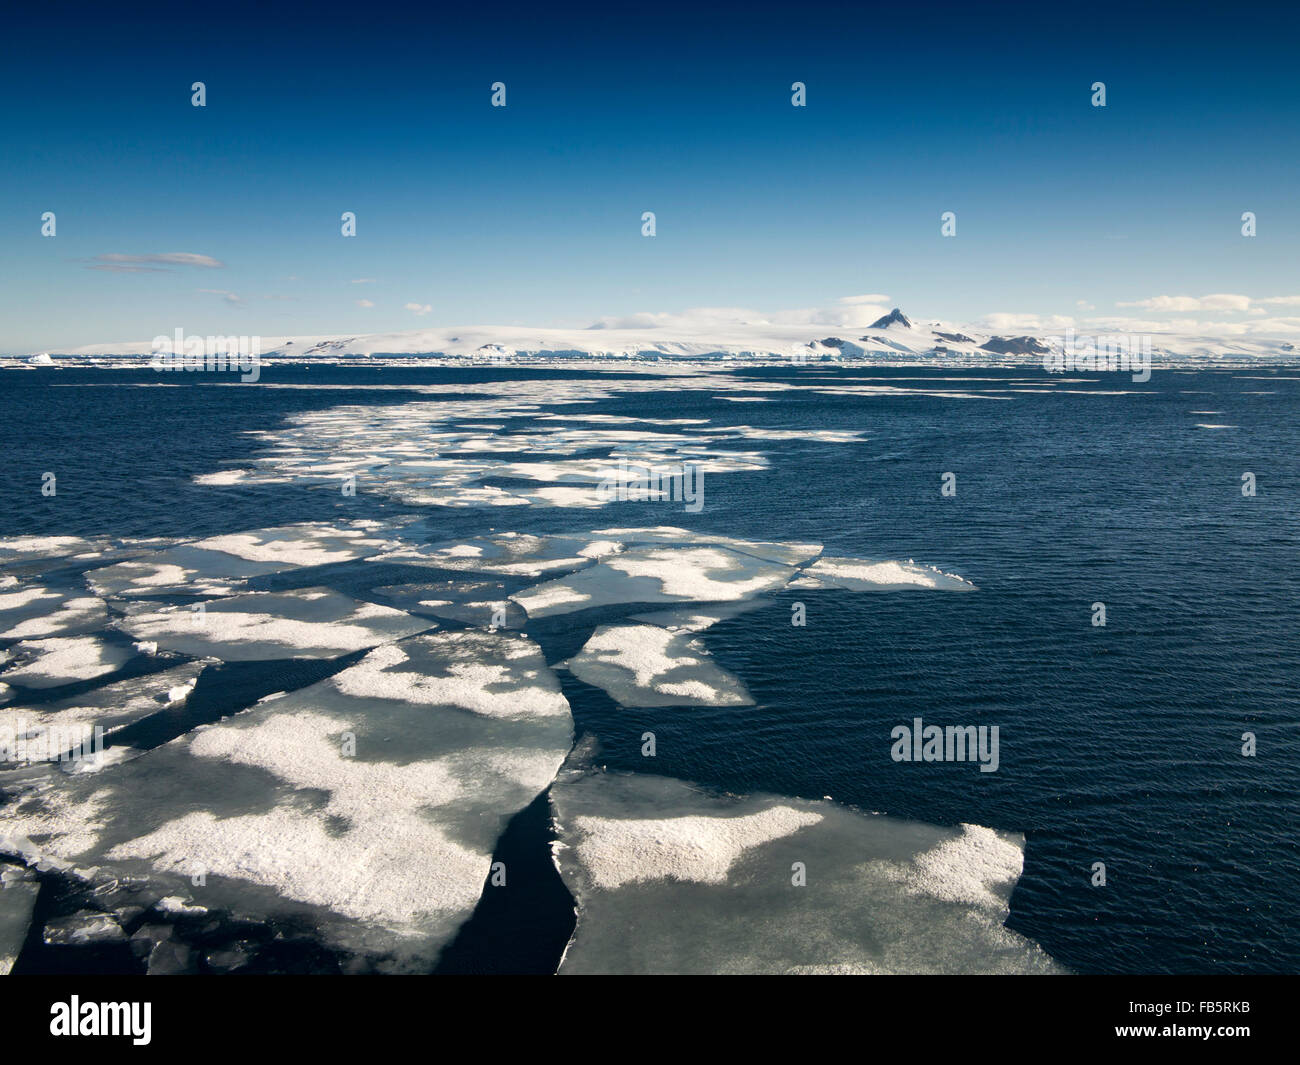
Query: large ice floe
19	549
368	804
671	879
304	623
221	565
672	565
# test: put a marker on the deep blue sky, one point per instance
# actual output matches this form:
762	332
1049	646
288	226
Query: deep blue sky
531	214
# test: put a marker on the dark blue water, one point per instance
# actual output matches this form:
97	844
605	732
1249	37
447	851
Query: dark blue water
1119	744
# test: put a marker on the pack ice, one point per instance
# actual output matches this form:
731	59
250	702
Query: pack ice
368	803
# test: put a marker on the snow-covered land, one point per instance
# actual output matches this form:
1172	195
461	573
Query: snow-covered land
892	338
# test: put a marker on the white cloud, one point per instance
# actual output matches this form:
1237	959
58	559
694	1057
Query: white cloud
419	308
851	313
1263	327
132	264
1006	322
1219	301
229	297
363	281
365	303
864	299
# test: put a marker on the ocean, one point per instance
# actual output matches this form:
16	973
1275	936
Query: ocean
1120	743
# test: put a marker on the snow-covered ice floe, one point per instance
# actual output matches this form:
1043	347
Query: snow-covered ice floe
369	803
111	708
510	553
479	603
671	565
304	623
788	553
863	575
28	611
644	665
221	565
63	660
15	549
648	574
671	879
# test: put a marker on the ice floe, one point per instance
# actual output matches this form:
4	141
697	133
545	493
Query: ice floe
657	575
28	611
644	665
18	891
789	553
481	672
304	623
82	929
671	879
64	660
369	803
479	603
39	548
510	553
109	708
221	565
862	575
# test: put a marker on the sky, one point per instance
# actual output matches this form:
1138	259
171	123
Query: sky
226	219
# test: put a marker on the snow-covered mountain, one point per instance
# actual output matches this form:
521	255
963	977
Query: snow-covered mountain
892	338
892	319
